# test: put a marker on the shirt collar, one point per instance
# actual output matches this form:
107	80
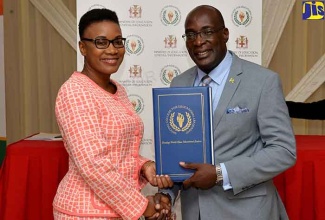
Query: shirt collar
219	72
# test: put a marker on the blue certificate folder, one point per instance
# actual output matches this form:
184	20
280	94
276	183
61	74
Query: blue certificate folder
182	129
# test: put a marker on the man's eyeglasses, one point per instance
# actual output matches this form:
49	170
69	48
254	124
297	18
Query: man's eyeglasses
103	43
205	34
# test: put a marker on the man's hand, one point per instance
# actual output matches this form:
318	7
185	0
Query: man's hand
160	213
149	172
162	201
204	177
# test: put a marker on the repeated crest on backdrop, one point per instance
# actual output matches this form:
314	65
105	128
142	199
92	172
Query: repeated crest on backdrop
155	50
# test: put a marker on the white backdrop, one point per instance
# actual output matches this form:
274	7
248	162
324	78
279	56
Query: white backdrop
156	52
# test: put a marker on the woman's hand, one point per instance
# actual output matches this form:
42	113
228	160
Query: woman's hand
148	171
159	207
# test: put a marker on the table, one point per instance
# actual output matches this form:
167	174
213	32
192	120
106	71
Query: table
29	177
32	171
302	187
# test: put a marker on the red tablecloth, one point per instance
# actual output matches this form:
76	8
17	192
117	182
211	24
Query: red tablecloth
29	177
32	171
302	187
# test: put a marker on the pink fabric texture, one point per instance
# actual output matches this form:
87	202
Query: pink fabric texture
102	135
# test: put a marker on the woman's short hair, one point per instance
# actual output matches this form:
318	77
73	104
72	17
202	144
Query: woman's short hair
96	15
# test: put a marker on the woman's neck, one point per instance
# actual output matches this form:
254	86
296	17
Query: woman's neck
103	81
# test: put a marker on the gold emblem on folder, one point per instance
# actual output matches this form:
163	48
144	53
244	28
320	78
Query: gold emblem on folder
180	119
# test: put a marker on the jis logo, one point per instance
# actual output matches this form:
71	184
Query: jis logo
313	10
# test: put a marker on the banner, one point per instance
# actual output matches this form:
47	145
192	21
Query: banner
2	90
156	52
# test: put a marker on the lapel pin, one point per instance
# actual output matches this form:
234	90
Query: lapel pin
232	80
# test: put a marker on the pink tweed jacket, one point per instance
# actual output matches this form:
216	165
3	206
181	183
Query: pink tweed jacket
102	135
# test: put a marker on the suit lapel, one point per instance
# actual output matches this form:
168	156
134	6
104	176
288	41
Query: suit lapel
229	90
191	79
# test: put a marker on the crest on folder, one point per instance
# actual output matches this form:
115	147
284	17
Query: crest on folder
180	119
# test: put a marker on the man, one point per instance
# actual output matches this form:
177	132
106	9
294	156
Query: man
253	137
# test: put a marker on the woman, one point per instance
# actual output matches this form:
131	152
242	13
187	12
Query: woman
102	134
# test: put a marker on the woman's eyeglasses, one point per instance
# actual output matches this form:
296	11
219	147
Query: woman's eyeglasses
103	43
